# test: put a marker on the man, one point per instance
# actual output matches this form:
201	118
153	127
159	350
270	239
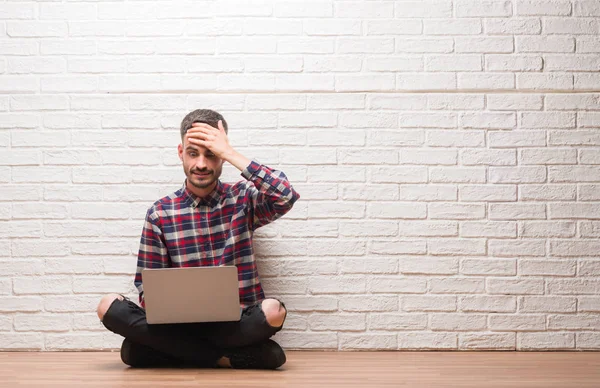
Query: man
207	223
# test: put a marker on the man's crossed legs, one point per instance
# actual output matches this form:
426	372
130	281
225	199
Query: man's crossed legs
240	344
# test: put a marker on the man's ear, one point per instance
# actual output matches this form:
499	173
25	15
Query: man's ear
180	151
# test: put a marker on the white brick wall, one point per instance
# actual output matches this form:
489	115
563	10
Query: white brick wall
447	153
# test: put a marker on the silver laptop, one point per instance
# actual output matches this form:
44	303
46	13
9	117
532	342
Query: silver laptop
186	295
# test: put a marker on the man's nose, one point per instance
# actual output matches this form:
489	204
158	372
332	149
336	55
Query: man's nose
201	162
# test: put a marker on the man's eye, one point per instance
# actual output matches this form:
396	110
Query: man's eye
192	154
210	155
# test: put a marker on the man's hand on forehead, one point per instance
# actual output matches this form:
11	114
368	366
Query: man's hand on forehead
205	135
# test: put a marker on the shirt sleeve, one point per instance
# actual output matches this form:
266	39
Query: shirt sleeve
271	195
152	253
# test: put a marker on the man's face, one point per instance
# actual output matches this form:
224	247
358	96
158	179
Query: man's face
202	168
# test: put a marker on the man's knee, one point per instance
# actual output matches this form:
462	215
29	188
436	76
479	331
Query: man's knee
274	312
105	303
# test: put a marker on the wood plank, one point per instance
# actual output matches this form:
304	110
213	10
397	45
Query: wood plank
315	369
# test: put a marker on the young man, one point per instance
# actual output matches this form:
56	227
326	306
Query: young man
207	223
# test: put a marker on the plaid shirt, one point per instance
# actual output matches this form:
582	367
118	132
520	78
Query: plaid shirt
184	230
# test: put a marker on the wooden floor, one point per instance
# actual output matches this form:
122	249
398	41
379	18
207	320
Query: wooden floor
316	369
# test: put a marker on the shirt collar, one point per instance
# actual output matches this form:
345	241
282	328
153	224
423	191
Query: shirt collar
211	200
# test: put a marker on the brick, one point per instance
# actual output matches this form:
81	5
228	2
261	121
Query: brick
365	120
396	138
357	9
428	303
339	285
70	341
335	209
451	27
397	284
420	9
488	120
573	102
368	229
486	45
18	120
574	210
487	267
430	81
471	157
513	63
328	101
570	248
488	229
37	65
337	174
545	341
505	341
515	286
498	81
304	45
426	341
428	120
428	192
70	83
392	27
20	304
428	156
375	156
588	340
361	45
45	285
397	321
517	211
585	303
571	26
368	192
545	44
514	102
547	267
566	63
22	341
545	81
573	322
19	46
336	63
462	138
378	303
547	156
587	45
513	26
35	174
517	174
457	174
359	83
424	45
331	27
547	229
428	228
508	248
457	322
19	158
396	210
370	265
456	285
547	304
543	8
589	193
395	64
20	193
457	63
577	174
429	265
450	211
587	119
368	341
399	174
484	303
38	102
517	139
21	229
35	29
304	340
488	193
305	82
586	8
521	322
455	101
414	247
574	138
589	228
463	247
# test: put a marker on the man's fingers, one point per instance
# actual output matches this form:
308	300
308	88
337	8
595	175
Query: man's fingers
203	125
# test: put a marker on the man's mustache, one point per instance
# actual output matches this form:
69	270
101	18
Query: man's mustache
203	171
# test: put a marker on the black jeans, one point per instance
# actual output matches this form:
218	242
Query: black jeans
199	344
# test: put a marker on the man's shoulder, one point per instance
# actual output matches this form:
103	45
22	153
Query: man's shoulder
167	204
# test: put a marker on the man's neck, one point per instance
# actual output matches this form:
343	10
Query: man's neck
201	192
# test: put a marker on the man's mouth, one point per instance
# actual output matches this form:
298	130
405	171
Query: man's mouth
201	174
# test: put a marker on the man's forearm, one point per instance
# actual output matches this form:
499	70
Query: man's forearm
237	159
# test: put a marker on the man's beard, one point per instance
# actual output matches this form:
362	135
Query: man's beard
204	183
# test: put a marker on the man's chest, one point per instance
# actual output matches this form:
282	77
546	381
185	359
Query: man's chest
204	236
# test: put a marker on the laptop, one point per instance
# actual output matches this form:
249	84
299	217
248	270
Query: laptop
191	295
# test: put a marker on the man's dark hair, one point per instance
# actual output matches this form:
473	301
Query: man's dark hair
205	116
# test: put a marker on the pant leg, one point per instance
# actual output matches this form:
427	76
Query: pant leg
129	320
252	328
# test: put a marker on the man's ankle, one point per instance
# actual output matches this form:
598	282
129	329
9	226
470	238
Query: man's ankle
224	362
